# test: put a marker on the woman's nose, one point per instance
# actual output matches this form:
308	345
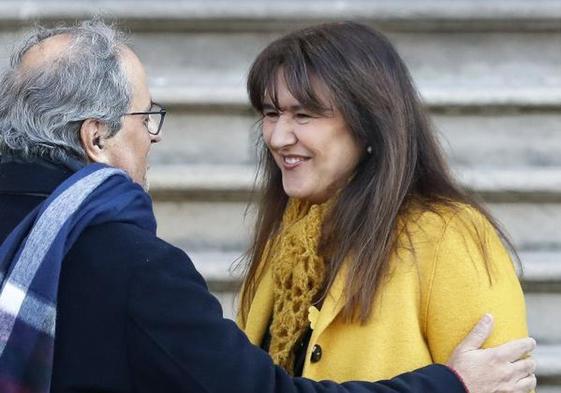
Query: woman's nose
283	133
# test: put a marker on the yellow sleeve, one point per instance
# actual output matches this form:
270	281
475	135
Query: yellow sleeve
461	288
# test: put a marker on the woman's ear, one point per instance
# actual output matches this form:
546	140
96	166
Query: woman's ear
92	135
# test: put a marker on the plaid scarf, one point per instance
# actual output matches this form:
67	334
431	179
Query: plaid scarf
30	264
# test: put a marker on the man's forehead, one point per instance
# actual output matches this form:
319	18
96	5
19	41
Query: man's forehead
136	75
45	51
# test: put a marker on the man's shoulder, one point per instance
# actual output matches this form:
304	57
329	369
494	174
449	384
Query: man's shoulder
124	245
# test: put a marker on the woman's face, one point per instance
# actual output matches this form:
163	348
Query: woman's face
317	154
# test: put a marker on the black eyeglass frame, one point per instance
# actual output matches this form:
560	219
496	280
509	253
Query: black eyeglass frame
162	112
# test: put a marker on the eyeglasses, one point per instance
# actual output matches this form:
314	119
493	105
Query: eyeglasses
155	119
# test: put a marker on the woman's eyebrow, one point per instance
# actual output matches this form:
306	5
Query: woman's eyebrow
291	108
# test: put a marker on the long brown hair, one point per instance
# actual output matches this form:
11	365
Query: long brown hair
371	87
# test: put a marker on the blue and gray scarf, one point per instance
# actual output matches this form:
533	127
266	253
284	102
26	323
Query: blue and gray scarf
30	265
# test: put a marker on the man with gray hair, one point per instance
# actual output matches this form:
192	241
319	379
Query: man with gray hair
90	299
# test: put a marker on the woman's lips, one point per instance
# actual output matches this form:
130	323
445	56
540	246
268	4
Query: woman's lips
293	161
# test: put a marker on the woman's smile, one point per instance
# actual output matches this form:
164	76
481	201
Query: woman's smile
292	161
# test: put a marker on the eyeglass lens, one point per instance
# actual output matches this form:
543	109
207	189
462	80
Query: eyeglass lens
154	119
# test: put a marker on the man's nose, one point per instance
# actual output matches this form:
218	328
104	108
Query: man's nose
283	133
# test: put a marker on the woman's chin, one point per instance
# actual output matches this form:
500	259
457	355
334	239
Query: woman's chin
304	195
298	193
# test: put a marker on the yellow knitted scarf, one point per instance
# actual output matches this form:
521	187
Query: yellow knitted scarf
298	274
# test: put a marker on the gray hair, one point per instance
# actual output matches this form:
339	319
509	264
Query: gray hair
41	111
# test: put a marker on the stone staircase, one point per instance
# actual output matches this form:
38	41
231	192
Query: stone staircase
489	70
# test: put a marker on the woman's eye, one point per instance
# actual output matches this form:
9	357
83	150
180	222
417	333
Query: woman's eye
303	117
271	115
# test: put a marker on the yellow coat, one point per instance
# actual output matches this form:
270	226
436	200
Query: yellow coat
428	303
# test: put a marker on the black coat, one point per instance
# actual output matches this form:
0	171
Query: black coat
133	315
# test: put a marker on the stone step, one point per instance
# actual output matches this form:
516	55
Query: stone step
470	64
549	388
541	271
548	371
461	69
542	286
472	61
223	220
226	224
450	95
544	318
202	207
214	181
513	184
502	139
258	14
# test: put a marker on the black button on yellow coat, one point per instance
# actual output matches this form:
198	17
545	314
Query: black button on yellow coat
316	354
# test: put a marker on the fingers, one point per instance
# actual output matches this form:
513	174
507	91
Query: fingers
515	350
527	384
478	334
524	367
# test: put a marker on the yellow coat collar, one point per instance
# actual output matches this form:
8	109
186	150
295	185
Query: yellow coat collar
261	308
332	305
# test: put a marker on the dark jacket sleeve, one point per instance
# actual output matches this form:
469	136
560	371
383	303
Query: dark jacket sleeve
178	341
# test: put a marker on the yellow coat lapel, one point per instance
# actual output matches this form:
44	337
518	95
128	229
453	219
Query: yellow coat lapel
261	309
332	305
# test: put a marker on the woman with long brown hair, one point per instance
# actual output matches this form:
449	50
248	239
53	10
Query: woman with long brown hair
367	259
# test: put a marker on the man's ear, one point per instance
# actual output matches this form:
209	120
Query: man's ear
92	135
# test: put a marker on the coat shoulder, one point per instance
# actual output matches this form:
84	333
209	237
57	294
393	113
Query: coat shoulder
122	244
